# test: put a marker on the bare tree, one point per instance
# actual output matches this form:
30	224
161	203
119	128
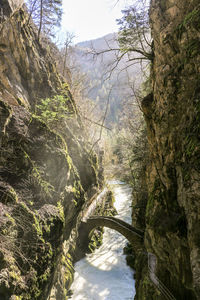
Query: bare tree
68	41
103	121
46	14
133	43
41	18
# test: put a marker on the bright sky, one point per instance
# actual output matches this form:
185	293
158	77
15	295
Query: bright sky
90	19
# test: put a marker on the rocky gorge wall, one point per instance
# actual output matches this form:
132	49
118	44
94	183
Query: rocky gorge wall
171	217
47	174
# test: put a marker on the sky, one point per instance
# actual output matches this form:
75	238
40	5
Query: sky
90	19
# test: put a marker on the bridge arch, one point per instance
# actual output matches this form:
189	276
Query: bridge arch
127	230
132	234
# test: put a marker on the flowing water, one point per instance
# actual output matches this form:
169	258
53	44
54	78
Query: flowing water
104	275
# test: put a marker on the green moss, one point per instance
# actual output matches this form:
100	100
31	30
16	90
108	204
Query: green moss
75	202
38	227
47	227
78	193
69	161
150	204
6	115
67	262
156	207
95	239
191	145
163	4
24	207
35	291
154	196
64	147
61	211
45	185
11	219
14	195
21	101
14	276
44	277
110	198
191	19
192	48
77	188
65	92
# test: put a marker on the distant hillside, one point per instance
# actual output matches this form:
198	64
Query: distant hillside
106	74
101	42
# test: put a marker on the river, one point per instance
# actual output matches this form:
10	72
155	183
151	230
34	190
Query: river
104	275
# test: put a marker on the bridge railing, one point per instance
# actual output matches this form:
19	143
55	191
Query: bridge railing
152	262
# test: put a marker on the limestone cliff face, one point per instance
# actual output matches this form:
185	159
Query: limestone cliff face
172	114
26	69
10	6
46	177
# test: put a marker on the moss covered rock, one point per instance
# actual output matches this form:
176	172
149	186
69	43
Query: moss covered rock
47	174
172	218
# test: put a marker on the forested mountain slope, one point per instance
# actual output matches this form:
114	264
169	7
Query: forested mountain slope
108	74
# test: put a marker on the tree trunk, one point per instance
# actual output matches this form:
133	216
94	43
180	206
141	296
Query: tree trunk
41	18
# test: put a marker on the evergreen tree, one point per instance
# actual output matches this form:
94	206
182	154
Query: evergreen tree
46	14
134	35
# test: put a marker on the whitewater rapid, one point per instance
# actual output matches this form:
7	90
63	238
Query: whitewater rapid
104	275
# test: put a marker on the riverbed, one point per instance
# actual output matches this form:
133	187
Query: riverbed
104	275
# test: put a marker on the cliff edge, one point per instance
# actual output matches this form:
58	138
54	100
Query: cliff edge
172	113
47	173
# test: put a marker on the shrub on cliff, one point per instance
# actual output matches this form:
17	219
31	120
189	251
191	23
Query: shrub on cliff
53	111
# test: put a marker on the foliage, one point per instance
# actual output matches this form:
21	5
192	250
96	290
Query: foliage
53	111
191	19
46	14
134	36
128	145
130	151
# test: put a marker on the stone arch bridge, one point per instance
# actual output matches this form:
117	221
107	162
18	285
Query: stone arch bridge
89	224
132	234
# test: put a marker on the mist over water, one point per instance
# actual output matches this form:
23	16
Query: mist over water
104	275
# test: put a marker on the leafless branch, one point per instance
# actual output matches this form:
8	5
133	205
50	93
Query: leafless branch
102	124
96	123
